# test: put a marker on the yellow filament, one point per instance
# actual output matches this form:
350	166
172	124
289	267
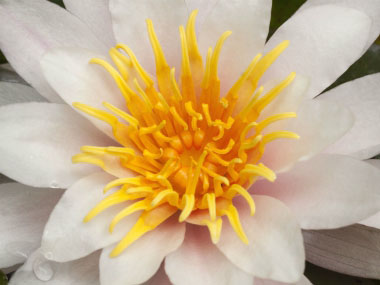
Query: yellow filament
125	90
279	135
259	170
178	118
233	217
152	155
138	206
225	150
244	193
143	74
275	118
215	228
125	116
148	221
188	201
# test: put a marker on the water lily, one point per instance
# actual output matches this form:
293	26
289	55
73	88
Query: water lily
193	152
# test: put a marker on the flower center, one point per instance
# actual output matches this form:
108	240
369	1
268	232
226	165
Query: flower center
191	151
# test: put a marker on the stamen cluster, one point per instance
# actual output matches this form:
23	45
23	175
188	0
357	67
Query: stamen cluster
191	151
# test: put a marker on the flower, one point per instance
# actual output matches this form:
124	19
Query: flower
184	156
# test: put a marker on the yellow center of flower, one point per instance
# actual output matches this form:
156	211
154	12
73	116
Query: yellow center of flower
191	151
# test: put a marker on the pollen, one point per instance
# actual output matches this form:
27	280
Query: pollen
191	150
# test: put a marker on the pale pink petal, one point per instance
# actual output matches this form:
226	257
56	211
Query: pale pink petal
29	28
159	278
319	38
302	281
83	82
353	250
129	25
39	271
38	140
66	237
327	191
198	261
275	250
361	96
96	15
249	22
23	213
141	259
11	93
318	123
289	100
369	7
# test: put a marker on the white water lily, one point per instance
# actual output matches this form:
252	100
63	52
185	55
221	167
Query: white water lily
185	157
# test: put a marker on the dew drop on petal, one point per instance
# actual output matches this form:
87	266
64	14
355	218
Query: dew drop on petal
42	269
54	184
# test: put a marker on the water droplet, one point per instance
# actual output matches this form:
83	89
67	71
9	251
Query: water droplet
42	269
54	184
48	255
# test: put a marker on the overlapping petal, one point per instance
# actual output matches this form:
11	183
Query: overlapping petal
11	93
369	7
143	258
249	23
274	237
327	191
319	39
84	82
38	140
66	220
319	124
361	96
198	261
40	271
96	15
130	28
29	28
23	213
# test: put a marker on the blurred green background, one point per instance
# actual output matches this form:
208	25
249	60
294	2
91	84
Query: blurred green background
369	63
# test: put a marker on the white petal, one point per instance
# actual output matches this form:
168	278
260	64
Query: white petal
39	271
38	140
159	278
76	80
369	7
327	191
373	221
275	249
129	25
198	261
66	220
142	258
96	15
204	8
302	281
361	96
289	99
249	22
29	28
11	93
353	250
319	38
319	124
23	213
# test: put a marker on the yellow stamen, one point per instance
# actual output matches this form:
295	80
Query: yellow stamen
190	147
